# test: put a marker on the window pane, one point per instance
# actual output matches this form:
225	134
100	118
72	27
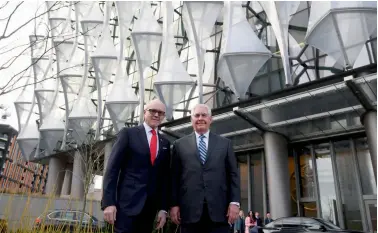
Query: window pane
308	209
348	185
257	183
307	180
68	215
326	183
293	190
369	186
243	183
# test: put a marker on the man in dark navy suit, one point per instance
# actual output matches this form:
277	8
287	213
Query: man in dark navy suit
136	178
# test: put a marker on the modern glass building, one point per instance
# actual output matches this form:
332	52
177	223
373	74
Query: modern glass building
292	84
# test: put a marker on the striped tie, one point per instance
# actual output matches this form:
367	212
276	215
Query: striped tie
202	149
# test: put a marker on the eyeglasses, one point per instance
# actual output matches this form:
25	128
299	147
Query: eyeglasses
154	111
198	115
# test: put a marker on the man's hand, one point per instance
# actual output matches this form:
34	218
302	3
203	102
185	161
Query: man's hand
175	215
110	213
161	219
233	212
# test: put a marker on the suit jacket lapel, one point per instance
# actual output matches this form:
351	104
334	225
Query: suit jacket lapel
143	138
212	143
160	145
193	144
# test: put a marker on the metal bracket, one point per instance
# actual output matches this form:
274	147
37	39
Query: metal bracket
259	124
360	95
171	133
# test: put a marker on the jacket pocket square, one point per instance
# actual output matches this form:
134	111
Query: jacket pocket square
164	148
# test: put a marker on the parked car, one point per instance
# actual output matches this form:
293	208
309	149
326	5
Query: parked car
302	224
68	220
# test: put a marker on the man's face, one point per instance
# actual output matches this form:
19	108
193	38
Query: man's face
154	114
268	215
201	119
257	215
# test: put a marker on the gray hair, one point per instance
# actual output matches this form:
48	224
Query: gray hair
201	105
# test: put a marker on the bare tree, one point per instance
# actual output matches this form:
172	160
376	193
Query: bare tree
12	68
90	156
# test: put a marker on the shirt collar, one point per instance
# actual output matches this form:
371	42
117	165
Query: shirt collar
148	128
205	134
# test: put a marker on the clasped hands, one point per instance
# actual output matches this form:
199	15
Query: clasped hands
110	214
232	214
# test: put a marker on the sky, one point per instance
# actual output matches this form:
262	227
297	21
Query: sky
24	13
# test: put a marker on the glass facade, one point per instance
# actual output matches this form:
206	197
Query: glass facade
326	182
332	180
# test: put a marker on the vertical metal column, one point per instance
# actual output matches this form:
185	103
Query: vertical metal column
249	182
339	202
315	174
297	183
278	174
359	185
264	183
370	124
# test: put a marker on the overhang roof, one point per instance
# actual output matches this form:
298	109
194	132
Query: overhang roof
326	107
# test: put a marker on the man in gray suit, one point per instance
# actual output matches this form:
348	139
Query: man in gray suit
205	180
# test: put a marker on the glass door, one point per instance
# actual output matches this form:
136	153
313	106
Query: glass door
371	213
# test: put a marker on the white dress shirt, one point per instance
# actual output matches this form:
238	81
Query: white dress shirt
149	136
206	139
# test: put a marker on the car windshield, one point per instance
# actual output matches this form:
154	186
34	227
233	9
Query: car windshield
328	225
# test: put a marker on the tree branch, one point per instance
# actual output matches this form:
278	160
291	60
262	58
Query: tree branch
2	89
27	22
9	19
6	3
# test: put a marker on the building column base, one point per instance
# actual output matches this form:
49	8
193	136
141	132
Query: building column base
370	123
277	167
55	176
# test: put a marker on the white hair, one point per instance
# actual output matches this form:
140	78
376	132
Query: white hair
201	105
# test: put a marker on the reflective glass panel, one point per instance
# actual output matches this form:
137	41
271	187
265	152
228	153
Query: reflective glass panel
326	183
243	169
348	186
257	183
307	180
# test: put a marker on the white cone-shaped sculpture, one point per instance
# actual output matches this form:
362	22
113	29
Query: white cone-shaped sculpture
146	37
82	117
125	13
104	61
340	29
172	82
29	137
24	101
279	14
243	54
52	128
199	19
122	100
